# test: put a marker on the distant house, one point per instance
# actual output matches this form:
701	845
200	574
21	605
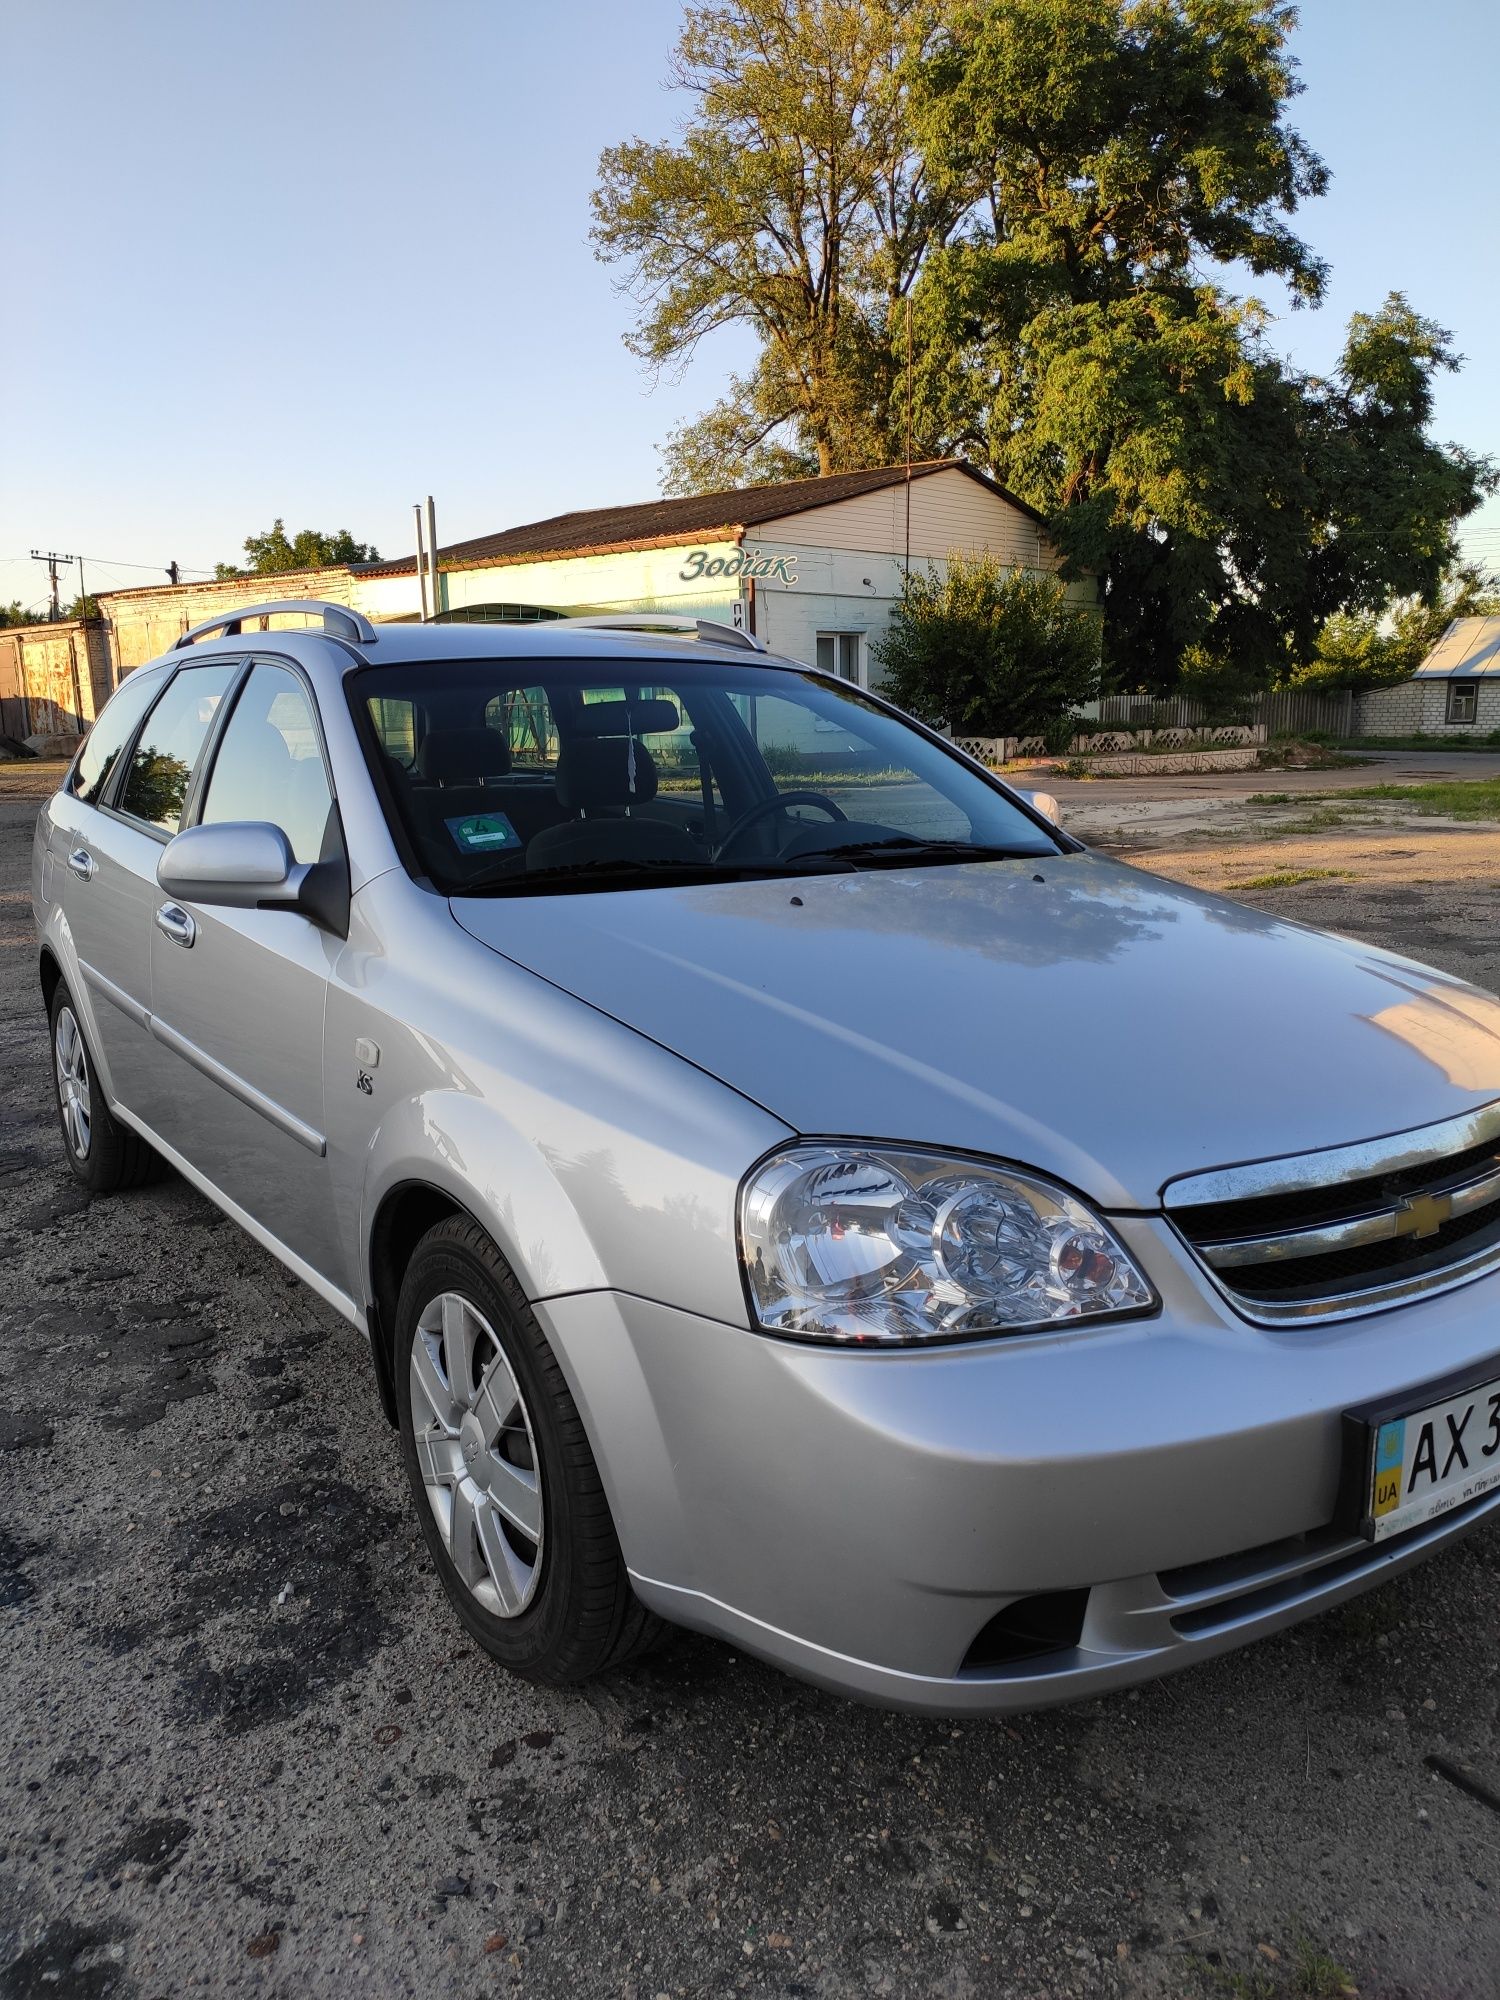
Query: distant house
1455	692
813	566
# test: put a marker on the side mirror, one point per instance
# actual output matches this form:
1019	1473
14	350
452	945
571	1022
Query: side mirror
249	865
1046	805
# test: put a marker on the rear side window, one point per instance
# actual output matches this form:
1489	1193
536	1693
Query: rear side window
156	785
110	734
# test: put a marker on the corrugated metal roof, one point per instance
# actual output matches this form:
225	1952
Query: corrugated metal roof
1469	646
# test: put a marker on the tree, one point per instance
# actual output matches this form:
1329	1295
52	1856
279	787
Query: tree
274	554
15	613
988	651
796	205
83	607
1375	649
1115	151
1049	186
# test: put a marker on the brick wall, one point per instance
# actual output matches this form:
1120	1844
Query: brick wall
144	624
54	679
1420	708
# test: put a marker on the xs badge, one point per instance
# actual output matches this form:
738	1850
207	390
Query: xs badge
365	1082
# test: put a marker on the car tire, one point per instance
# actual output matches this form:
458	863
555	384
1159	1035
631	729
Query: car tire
502	1477
104	1154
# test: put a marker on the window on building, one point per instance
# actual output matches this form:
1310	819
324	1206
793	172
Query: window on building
1463	701
838	653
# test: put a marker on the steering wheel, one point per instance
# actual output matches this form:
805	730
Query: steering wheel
762	807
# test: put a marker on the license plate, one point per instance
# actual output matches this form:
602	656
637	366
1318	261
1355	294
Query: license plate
1423	1462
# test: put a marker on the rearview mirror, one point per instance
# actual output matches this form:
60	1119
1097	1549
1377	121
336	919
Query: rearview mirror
1045	804
249	865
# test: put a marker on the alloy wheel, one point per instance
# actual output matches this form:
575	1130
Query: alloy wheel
477	1454
73	1090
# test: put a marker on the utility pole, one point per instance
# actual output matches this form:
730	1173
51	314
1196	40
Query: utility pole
51	558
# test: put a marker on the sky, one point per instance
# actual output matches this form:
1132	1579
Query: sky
320	258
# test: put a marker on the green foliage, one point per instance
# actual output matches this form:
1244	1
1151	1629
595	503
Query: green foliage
795	204
989	652
158	785
1380	648
83	607
1049	185
15	613
275	553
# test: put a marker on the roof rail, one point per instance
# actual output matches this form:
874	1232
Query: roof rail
707	629
339	622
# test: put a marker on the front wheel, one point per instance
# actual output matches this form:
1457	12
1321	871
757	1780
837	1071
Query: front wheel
504	1482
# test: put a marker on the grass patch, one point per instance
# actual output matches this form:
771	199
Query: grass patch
1325	820
1489	743
1320	1977
1313	1975
1288	878
1451	798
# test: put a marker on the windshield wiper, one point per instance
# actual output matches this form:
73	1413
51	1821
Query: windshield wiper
901	848
603	874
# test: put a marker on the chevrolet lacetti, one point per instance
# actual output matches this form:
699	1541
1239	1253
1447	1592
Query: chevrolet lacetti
789	1186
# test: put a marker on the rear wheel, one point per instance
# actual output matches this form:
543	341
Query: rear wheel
103	1154
504	1482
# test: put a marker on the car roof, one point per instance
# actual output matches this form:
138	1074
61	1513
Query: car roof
325	656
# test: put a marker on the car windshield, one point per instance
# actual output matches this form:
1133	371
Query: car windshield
515	777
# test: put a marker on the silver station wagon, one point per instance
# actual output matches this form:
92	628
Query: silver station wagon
790	1187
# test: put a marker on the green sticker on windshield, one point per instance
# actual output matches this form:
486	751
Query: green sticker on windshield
483	833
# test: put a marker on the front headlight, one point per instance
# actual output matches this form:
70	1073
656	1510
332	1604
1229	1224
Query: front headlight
850	1244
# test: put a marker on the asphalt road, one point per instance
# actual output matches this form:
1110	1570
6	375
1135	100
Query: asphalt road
247	1750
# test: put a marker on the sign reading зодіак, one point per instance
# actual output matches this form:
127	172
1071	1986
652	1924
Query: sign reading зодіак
700	563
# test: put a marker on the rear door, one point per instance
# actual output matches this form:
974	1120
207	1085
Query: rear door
109	827
238	996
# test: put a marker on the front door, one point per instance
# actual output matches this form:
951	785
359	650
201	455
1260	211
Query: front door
111	828
238	996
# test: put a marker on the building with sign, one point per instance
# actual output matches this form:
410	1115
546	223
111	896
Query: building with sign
813	566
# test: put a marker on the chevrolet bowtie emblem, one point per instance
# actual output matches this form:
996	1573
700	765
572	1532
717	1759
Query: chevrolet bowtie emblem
1423	1214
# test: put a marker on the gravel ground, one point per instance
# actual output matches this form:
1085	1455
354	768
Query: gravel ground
249	1752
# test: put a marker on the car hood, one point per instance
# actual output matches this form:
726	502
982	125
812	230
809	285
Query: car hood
1074	1014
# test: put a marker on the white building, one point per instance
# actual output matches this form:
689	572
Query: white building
1455	692
812	566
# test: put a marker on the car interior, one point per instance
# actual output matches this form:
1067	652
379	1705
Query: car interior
494	779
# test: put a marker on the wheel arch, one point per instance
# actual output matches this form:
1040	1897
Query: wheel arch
50	973
402	1218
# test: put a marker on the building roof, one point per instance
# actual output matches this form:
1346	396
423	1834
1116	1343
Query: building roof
1469	646
655	524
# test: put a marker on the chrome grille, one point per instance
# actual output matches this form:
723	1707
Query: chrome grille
1353	1228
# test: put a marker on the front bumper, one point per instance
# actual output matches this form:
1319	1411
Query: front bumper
862	1518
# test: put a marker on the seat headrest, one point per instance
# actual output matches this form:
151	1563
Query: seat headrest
627	718
462	756
594	774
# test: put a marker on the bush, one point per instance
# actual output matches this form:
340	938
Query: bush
989	651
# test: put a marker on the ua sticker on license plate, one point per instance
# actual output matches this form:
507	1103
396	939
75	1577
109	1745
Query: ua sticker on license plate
1422	1462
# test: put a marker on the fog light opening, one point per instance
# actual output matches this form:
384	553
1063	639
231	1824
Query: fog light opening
1050	1622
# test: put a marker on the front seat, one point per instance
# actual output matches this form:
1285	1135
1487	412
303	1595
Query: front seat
600	781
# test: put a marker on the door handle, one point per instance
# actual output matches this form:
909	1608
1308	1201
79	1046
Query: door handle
176	924
81	862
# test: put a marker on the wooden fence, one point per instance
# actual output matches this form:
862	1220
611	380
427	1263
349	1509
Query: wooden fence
1331	714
